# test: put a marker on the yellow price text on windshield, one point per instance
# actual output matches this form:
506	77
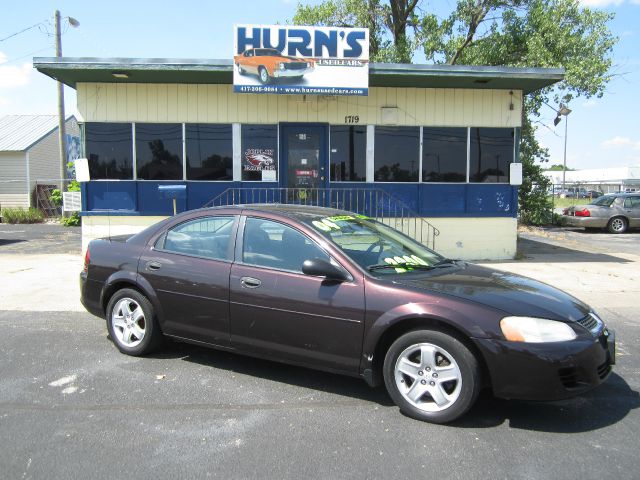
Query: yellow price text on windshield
340	217
326	225
404	260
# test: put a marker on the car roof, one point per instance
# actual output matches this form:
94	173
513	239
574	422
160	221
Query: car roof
297	212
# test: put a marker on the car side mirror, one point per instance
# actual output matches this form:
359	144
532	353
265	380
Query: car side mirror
319	267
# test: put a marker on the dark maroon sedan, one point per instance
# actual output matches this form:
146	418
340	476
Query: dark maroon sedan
338	291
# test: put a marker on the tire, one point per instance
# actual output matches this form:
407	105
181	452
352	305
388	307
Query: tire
264	75
414	373
132	324
240	69
617	225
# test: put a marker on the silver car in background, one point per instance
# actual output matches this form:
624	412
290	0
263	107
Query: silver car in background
616	212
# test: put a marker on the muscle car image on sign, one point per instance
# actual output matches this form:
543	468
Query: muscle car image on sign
269	63
301	60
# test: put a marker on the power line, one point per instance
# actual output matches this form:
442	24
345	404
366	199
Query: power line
23	30
25	56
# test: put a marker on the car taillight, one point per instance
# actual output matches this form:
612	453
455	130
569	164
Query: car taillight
87	259
583	213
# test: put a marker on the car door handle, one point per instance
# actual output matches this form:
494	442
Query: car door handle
250	282
153	265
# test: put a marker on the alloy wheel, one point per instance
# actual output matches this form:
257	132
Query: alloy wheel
618	225
128	322
428	377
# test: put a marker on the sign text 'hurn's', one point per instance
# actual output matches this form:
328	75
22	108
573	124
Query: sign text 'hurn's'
319	42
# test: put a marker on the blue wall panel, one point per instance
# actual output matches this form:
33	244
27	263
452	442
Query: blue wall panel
438	199
106	195
489	200
427	199
151	202
201	193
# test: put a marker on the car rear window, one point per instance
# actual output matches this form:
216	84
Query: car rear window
604	201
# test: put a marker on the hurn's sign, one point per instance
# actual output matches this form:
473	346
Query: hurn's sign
301	60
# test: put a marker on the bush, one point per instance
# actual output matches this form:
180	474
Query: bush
56	197
20	215
71	221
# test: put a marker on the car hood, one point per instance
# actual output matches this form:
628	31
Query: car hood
511	293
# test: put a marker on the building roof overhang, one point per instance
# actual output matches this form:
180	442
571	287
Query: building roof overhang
71	71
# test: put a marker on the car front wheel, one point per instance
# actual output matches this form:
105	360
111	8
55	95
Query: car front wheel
264	75
132	324
432	376
617	225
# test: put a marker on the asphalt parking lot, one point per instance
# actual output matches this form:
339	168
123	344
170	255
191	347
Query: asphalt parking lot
71	406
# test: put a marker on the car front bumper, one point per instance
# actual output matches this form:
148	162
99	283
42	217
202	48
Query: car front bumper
292	73
548	371
587	222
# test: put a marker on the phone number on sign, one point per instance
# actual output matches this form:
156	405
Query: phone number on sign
258	89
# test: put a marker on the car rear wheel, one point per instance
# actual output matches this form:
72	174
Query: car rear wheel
617	225
264	75
432	376
132	324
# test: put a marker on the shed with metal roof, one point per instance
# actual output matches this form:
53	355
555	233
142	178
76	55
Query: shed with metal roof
29	155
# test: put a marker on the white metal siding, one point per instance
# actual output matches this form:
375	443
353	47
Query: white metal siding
113	102
13	173
14	200
44	157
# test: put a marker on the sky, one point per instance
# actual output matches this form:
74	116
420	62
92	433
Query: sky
602	132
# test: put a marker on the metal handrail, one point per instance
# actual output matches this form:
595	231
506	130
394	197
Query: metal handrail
373	203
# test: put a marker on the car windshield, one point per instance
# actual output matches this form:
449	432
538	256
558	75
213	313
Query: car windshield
376	247
604	201
267	52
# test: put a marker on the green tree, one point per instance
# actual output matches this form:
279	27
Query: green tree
390	24
558	168
515	33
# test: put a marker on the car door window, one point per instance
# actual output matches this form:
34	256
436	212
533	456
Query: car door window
206	237
632	202
275	245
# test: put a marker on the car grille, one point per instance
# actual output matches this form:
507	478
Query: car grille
592	323
295	65
604	370
571	378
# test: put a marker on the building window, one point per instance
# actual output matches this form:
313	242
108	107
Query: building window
491	153
348	153
109	149
397	154
259	152
444	154
159	151
209	152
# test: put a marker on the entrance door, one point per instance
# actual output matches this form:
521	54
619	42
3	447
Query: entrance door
304	156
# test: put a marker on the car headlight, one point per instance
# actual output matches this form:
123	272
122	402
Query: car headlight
281	66
535	330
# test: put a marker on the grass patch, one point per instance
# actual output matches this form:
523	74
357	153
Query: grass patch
20	215
568	202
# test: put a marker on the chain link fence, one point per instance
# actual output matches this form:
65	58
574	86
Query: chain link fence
41	195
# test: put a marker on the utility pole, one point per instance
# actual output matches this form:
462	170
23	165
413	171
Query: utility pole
62	133
564	158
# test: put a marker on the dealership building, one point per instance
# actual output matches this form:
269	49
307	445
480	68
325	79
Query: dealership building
428	144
